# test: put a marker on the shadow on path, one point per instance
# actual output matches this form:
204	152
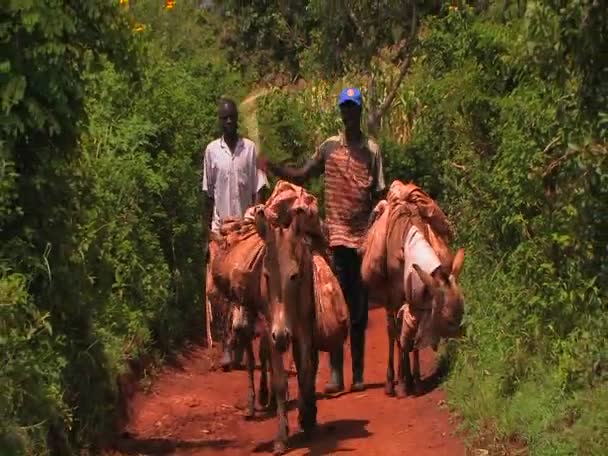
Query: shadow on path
158	446
326	439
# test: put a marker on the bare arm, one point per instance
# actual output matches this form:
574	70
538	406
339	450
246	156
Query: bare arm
209	203
312	168
378	196
260	183
261	196
208	188
379	189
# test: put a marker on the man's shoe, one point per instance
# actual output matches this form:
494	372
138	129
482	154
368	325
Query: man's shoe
357	387
333	388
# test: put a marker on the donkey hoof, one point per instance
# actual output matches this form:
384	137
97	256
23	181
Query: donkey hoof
279	448
272	406
249	413
263	399
402	391
411	387
306	432
308	428
417	387
389	389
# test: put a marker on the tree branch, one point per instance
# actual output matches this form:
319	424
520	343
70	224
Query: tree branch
373	123
353	19
549	147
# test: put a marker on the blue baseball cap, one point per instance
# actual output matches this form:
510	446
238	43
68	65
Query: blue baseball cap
350	94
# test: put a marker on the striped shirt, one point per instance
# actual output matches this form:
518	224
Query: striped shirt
352	174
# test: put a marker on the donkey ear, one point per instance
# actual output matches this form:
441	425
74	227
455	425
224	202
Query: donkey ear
261	224
457	263
426	278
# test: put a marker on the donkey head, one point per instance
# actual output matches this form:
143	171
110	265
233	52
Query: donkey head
287	272
448	302
242	320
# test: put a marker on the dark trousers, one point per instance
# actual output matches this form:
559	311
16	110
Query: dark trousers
347	263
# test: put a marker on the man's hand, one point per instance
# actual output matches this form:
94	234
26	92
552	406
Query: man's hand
313	167
262	163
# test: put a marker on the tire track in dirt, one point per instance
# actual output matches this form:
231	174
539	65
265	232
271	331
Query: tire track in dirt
193	409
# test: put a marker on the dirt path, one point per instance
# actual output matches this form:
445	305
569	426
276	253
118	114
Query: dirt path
248	109
194	409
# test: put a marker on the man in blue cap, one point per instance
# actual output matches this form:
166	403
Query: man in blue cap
354	181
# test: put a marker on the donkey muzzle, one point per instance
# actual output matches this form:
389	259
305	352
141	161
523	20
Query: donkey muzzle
281	337
241	324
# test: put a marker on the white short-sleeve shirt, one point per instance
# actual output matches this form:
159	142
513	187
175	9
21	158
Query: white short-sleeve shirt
232	180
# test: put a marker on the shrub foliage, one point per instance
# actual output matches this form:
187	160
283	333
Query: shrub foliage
102	132
107	107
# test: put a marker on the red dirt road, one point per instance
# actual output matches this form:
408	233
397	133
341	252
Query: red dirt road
192	410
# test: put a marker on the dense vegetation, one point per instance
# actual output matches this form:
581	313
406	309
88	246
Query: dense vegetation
106	110
102	131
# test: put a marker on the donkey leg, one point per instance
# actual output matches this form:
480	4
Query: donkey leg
310	388
227	339
389	387
416	369
306	362
401	366
264	360
407	373
405	384
250	412
279	387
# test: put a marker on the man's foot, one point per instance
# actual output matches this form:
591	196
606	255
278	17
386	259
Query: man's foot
226	361
237	363
333	388
357	387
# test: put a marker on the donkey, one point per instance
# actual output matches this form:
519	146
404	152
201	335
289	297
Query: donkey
243	326
440	306
287	288
242	305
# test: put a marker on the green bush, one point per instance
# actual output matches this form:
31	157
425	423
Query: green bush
102	131
520	170
101	255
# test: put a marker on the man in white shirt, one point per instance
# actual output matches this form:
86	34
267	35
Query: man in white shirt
231	182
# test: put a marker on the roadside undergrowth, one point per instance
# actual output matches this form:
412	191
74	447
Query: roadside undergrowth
513	147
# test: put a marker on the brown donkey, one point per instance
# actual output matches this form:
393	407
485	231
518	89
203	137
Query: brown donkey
416	319
243	303
287	289
244	332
